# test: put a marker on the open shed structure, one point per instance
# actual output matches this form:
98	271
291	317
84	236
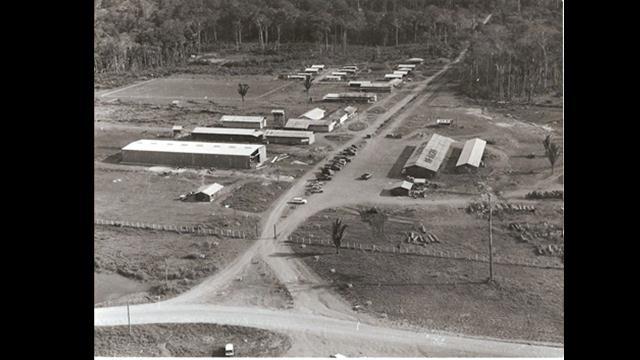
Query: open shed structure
194	154
252	122
426	162
289	137
471	154
220	134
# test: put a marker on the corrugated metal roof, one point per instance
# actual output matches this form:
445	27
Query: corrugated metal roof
313	70
239	118
403	184
339	73
289	133
227	131
193	147
349	95
210	189
472	152
392	76
277	111
432	155
314	114
301	124
411	66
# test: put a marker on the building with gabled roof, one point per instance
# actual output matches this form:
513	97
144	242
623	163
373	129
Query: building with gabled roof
471	154
314	114
194	154
223	134
236	121
401	188
425	162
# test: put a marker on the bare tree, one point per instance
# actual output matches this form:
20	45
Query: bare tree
337	233
546	142
242	90
553	153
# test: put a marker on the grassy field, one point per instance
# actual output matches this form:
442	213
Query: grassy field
147	257
187	340
444	294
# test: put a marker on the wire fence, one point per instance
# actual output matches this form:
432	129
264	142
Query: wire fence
180	229
445	254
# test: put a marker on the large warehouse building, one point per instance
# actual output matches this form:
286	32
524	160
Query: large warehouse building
194	154
251	122
471	154
219	134
426	162
289	137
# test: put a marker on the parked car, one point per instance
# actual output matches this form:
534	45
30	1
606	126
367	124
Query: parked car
298	200
228	350
324	178
316	191
366	176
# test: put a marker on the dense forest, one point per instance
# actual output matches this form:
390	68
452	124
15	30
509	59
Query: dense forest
518	54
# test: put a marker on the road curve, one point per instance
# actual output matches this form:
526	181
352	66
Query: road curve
353	338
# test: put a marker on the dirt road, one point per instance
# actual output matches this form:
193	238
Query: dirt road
326	335
335	327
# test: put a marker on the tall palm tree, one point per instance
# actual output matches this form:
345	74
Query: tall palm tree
337	233
242	90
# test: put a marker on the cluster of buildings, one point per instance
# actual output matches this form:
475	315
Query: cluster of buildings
240	143
426	160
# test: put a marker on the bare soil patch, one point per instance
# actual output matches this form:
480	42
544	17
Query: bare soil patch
444	294
150	257
256	196
187	340
256	286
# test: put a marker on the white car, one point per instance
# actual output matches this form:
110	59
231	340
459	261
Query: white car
228	350
298	200
338	356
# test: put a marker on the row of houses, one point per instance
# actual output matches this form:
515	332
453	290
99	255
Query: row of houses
427	160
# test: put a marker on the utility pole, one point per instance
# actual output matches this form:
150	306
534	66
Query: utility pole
490	239
129	317
275	236
166	272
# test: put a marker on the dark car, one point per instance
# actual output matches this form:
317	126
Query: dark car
366	176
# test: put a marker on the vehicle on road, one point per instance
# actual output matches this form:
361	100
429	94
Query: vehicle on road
324	178
394	136
228	350
365	176
298	200
338	356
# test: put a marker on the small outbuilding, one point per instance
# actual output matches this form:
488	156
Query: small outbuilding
207	192
297	124
314	114
401	188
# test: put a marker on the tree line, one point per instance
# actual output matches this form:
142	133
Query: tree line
140	34
517	56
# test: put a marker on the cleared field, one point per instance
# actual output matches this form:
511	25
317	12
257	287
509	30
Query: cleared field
444	294
147	258
255	196
187	340
198	87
